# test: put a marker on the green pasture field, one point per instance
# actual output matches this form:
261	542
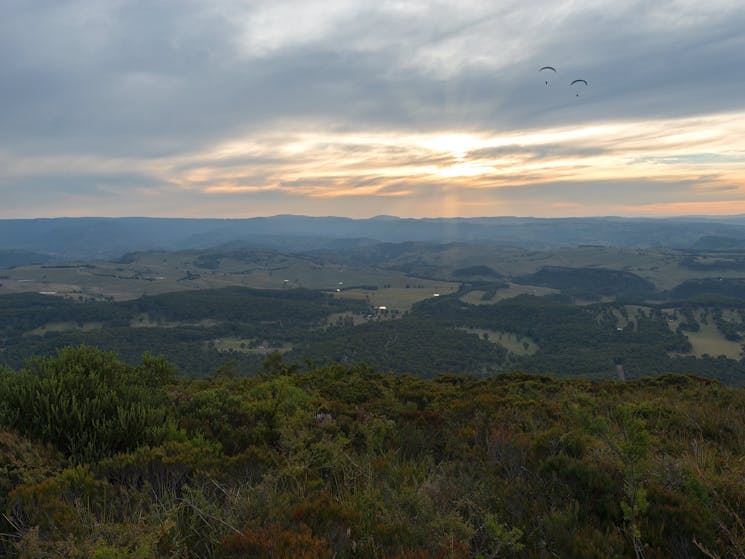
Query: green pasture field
145	321
673	317
584	302
257	347
400	299
622	321
732	315
709	340
106	281
65	327
513	343
475	297
662	267
634	312
153	273
341	317
518	262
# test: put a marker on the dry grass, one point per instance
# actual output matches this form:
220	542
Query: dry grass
511	342
248	345
513	290
399	298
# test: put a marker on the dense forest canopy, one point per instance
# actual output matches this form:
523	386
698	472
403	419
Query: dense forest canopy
470	330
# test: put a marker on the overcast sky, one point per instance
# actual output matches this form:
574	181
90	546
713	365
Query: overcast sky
230	108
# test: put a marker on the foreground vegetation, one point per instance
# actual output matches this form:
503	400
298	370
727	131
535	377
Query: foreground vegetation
100	458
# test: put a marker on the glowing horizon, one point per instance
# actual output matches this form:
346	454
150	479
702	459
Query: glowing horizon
705	154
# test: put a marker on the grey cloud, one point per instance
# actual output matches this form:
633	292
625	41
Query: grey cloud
650	72
89	184
230	162
630	192
149	79
695	158
323	181
64	194
538	152
730	188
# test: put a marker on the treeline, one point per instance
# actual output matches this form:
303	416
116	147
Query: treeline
723	288
584	340
594	283
243	304
181	325
12	258
27	311
101	458
410	344
190	349
475	271
591	282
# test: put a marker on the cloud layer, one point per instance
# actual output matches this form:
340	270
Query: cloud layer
233	108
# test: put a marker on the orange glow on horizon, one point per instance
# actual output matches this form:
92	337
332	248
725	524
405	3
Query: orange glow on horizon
398	165
450	172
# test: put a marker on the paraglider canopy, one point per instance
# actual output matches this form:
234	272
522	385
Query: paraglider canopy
547	68
575	82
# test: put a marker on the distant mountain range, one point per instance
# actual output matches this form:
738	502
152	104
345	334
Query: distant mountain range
64	239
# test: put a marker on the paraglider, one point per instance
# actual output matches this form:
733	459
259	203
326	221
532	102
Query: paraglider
579	81
548	68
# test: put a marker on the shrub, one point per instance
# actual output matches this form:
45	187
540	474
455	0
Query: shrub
87	403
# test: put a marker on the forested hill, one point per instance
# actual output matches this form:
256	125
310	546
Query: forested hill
202	330
104	459
98	238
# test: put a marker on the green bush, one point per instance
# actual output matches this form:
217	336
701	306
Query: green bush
87	403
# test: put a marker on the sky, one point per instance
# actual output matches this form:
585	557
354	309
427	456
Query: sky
238	108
